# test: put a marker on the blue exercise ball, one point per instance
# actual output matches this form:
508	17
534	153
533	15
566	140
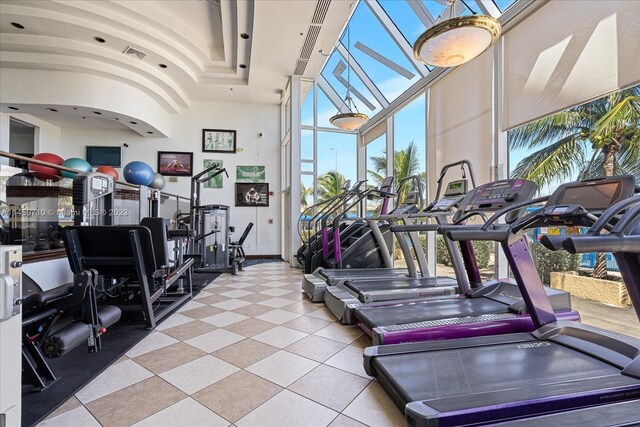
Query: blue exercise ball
78	164
138	173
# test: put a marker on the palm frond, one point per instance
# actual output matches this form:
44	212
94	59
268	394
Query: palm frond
553	163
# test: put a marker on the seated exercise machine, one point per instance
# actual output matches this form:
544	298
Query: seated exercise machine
133	265
493	307
561	365
59	319
237	256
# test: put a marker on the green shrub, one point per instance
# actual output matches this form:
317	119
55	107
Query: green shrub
549	261
483	252
442	254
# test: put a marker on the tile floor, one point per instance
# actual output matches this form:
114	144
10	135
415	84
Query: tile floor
249	350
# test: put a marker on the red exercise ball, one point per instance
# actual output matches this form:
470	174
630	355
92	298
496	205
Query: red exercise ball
45	172
109	170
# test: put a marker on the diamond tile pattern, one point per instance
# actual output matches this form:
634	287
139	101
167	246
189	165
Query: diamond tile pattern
250	350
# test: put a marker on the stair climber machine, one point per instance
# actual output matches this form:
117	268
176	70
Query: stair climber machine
309	217
58	318
561	365
321	237
340	232
494	307
342	300
356	247
322	249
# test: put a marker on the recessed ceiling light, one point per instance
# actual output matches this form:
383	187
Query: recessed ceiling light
13	108
99	39
149	132
231	89
134	123
243	66
52	109
97	112
18	26
244	36
162	65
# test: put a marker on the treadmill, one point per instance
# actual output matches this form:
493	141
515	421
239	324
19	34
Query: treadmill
560	366
413	317
491	308
314	284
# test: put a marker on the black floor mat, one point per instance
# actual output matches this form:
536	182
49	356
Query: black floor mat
250	262
117	341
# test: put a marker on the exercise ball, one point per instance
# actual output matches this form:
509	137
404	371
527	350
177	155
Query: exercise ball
46	172
78	164
138	173
109	170
158	182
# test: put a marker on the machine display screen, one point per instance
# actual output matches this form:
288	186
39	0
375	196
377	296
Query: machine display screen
597	196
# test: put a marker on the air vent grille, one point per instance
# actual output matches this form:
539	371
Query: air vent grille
301	65
310	41
321	11
135	52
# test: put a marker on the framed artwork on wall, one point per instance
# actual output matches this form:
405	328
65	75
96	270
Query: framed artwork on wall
215	182
218	141
250	173
175	163
252	194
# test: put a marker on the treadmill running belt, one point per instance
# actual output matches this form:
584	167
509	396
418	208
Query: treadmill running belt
432	310
391	284
516	368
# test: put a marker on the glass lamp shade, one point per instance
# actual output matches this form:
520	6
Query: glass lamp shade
349	121
456	41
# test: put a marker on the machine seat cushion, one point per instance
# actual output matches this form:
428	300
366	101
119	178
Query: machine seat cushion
35	300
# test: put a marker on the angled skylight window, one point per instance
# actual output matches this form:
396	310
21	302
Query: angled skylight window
335	72
379	56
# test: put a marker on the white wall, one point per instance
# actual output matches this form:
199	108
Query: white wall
186	135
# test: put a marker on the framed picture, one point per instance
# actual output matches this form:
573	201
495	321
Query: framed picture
218	141
175	163
252	194
216	181
250	174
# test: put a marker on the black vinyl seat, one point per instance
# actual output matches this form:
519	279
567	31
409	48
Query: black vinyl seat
236	250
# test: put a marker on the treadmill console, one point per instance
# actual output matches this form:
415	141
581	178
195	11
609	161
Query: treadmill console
386	184
456	188
571	202
498	194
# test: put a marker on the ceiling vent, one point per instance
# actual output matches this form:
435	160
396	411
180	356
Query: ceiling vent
322	7
301	65
310	41
134	52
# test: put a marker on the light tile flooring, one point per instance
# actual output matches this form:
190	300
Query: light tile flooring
249	350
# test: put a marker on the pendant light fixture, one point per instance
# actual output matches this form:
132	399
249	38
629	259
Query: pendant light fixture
456	40
352	119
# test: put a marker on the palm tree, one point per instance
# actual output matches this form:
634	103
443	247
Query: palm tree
304	193
605	131
406	163
330	184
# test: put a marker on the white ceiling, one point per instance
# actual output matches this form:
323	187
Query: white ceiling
198	40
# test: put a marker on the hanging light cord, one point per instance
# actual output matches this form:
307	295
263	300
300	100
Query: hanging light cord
451	5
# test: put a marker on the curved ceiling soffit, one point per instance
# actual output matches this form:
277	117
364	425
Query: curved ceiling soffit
186	64
32	47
